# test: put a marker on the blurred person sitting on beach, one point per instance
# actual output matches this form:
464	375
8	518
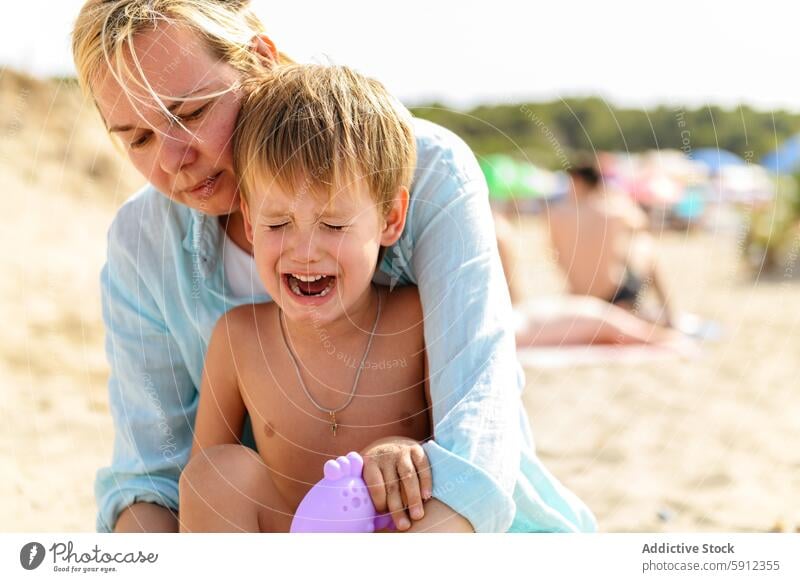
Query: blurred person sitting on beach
603	245
167	77
569	320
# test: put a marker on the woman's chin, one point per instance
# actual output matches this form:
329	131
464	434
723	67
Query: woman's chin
221	206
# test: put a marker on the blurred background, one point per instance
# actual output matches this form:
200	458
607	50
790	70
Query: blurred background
689	109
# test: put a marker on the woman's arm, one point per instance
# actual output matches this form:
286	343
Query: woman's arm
439	518
151	394
449	250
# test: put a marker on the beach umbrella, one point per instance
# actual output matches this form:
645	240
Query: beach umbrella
716	159
691	205
508	178
501	175
530	181
785	159
655	189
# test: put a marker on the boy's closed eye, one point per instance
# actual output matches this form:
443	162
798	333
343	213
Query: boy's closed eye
333	227
277	226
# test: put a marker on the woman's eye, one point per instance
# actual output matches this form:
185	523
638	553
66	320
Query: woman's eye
196	114
139	142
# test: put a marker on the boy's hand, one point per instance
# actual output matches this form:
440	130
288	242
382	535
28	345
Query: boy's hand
398	475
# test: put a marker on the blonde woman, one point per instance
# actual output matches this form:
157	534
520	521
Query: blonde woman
165	76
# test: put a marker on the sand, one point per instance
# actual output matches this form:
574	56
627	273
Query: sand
700	445
62	181
705	444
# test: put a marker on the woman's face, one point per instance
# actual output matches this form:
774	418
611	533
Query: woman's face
193	164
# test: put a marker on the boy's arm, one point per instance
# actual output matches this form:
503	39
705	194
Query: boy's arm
221	412
396	468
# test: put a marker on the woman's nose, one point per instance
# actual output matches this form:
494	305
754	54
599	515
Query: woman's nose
176	153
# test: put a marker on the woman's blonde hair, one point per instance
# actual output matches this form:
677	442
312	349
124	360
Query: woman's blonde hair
103	36
317	128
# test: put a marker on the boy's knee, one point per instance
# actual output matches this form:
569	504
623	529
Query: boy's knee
215	466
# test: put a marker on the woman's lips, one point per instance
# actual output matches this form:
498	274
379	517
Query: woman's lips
206	188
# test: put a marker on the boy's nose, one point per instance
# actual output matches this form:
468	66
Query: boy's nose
306	248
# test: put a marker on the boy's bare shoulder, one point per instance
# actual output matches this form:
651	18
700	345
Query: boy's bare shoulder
247	319
403	305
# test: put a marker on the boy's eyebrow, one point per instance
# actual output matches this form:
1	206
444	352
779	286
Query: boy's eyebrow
283	214
171	108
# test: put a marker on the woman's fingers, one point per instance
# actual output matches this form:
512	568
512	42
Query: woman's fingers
424	471
394	500
407	473
373	477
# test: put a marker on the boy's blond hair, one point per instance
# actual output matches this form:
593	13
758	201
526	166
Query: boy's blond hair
316	128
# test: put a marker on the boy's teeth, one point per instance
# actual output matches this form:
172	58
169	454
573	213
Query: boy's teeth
294	287
307	279
294	284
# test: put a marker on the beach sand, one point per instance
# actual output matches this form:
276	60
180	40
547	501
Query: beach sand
704	444
682	445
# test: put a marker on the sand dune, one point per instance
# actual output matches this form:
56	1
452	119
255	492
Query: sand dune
62	181
708	444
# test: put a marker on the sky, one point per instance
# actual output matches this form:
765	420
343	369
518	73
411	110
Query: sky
634	54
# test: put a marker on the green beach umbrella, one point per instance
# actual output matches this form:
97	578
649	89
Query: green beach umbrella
501	173
528	183
509	179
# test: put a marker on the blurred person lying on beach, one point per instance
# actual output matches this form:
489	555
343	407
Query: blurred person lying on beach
603	245
167	77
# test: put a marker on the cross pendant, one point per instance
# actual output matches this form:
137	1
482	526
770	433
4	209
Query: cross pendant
334	426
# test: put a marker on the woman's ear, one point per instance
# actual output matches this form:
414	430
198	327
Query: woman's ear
263	45
395	219
248	226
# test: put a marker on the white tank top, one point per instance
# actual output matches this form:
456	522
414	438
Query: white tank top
240	271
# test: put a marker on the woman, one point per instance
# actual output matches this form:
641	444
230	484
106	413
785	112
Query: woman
164	75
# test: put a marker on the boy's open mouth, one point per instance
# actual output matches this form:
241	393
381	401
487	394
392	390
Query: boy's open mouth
310	285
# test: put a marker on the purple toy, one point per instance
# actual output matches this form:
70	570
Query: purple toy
340	503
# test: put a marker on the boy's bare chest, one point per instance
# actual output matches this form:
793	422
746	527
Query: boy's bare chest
389	394
293	427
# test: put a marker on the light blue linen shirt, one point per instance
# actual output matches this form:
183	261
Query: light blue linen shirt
164	289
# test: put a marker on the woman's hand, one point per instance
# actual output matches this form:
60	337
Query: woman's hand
398	476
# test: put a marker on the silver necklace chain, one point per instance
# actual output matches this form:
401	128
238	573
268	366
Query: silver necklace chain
331	411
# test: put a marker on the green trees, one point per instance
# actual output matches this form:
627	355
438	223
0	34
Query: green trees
541	132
